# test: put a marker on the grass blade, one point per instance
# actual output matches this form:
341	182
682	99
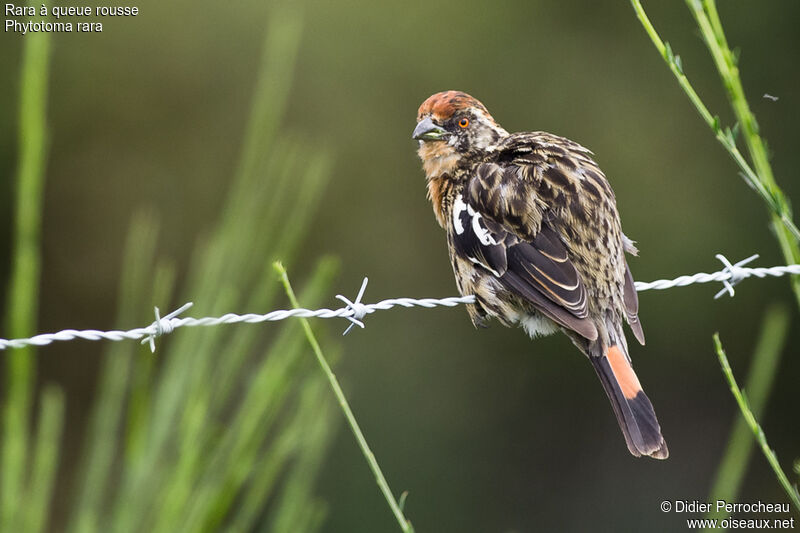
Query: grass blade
761	179
763	369
297	510
23	295
752	423
202	495
404	524
45	460
106	423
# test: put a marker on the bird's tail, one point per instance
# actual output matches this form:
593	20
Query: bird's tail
635	413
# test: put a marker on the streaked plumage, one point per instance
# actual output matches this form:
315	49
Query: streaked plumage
534	233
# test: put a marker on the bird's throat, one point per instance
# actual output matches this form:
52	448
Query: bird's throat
436	193
439	160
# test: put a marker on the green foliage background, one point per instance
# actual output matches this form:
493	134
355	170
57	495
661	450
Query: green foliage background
486	430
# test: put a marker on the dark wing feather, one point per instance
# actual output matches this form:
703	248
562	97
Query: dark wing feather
545	264
522	287
631	300
538	270
474	240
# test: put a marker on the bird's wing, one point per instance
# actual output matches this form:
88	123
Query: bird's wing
535	267
534	173
631	299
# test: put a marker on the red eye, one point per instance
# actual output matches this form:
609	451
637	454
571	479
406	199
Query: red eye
464	122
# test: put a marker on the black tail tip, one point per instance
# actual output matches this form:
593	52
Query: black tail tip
660	451
644	434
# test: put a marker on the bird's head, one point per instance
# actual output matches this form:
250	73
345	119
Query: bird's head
453	126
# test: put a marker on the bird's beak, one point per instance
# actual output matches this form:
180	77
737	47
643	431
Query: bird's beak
426	130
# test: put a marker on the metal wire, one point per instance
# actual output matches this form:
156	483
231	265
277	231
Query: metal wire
355	311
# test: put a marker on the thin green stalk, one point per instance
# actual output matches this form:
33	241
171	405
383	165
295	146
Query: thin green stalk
725	137
751	421
725	60
140	406
195	387
229	463
45	461
296	508
763	368
105	428
265	472
22	305
761	180
405	525
218	280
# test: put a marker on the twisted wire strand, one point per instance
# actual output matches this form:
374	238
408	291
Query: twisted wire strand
729	276
702	277
355	311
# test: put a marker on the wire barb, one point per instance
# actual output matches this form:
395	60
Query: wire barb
355	311
163	326
359	310
732	274
736	272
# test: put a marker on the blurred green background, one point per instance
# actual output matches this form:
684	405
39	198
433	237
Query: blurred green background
487	430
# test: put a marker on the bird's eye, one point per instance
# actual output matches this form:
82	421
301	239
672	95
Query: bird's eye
464	122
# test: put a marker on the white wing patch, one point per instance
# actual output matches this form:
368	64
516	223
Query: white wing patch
483	234
484	265
459	206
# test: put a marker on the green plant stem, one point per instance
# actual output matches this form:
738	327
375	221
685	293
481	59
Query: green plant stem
725	60
751	421
762	179
23	294
763	367
44	464
405	525
105	427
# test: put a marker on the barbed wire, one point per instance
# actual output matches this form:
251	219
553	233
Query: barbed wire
729	276
355	311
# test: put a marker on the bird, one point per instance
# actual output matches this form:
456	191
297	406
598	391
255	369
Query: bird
534	233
